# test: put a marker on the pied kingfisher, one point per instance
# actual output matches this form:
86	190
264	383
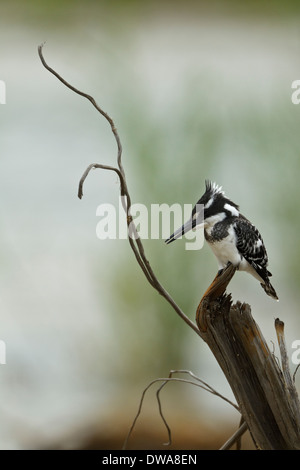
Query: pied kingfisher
231	236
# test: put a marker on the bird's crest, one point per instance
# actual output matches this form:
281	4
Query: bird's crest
213	188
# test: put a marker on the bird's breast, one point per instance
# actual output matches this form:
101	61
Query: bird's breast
223	245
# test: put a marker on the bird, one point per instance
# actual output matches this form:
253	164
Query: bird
231	236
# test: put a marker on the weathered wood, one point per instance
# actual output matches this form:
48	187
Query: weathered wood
269	404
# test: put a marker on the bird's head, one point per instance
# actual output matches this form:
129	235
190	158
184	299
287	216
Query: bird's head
211	208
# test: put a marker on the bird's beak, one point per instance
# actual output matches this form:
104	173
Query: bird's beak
189	225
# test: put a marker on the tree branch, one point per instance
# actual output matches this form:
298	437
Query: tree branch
133	236
197	382
235	437
290	385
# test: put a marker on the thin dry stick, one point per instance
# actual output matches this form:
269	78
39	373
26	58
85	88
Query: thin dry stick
294	374
239	439
235	437
134	239
279	326
202	385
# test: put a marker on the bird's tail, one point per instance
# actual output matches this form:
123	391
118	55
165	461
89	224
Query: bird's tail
269	289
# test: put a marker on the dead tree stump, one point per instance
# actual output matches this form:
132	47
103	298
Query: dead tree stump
265	394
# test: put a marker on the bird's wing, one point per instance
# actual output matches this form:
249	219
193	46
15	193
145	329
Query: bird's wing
251	246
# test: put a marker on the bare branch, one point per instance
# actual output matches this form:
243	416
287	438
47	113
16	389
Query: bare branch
164	381
88	97
133	236
294	374
103	167
293	395
235	437
203	385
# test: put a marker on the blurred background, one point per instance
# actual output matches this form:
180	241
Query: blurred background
197	90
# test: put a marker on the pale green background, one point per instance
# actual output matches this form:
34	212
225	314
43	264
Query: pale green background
196	92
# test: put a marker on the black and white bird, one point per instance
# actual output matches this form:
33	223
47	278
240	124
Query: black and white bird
231	236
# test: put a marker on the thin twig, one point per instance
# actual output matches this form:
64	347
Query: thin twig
204	386
91	99
289	382
164	381
239	439
294	374
134	238
103	167
242	429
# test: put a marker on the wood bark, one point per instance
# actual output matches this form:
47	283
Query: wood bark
265	394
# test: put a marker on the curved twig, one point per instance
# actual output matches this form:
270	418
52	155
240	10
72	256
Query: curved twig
88	97
133	236
204	386
164	381
103	167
